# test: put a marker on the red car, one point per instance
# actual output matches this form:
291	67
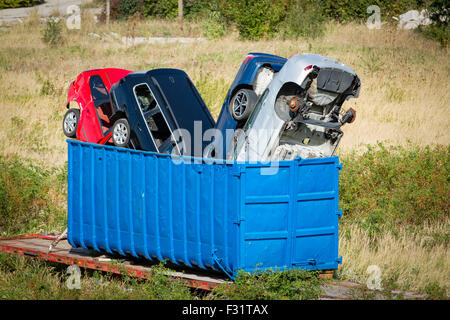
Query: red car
92	122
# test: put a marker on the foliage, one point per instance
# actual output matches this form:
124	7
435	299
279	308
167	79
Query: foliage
121	9
391	185
435	291
255	19
269	285
52	34
439	33
161	8
18	3
214	26
30	197
439	30
350	10
128	8
305	19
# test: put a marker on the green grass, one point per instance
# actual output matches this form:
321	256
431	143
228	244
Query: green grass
23	278
272	285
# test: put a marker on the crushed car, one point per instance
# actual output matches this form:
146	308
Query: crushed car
253	76
299	113
92	120
156	110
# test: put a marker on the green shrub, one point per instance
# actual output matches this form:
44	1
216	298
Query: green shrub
128	8
52	34
350	10
269	285
18	3
161	8
439	29
121	9
256	19
305	19
439	33
396	185
214	26
30	197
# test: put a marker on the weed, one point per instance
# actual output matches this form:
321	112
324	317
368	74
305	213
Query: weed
270	285
29	197
388	185
214	27
435	291
52	34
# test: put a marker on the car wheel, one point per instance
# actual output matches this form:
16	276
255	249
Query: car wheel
242	104
121	133
70	122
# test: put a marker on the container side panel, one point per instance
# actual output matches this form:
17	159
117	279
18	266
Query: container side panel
290	217
111	200
219	216
99	201
206	176
316	221
137	205
178	209
124	201
265	220
86	191
151	205
164	207
192	216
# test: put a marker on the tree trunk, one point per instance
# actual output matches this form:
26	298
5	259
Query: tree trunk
108	9
180	13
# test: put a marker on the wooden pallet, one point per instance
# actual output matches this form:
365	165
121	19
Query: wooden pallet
36	245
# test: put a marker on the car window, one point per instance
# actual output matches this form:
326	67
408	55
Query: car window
156	123
145	98
98	89
101	101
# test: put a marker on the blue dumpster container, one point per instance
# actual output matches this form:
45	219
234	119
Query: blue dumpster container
225	216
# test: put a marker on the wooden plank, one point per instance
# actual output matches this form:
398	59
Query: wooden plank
66	254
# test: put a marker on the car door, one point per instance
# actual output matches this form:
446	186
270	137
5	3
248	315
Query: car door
99	85
154	120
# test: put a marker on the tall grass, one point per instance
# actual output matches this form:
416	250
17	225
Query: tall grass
23	278
32	199
396	208
410	258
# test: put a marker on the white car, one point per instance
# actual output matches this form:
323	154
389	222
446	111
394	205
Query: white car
299	113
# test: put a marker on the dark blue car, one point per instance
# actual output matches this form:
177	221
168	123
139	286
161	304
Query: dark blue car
253	76
149	106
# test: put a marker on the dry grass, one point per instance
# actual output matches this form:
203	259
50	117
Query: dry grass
408	259
404	94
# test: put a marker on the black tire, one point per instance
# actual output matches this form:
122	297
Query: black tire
121	133
70	122
242	104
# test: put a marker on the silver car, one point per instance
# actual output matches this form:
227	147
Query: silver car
299	114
